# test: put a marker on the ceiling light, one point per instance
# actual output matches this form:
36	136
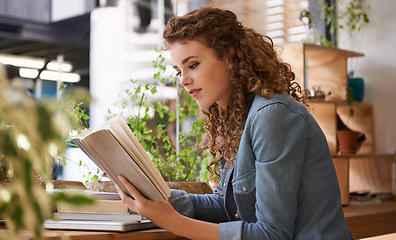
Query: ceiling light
49	75
54	66
36	63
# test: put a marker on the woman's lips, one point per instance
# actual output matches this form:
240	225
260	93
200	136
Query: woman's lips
194	92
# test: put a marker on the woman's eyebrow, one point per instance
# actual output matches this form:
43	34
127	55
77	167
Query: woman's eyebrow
187	58
184	61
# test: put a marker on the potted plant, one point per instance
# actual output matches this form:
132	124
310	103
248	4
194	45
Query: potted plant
32	133
177	153
348	140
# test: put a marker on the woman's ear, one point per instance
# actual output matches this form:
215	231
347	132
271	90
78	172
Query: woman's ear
229	57
229	63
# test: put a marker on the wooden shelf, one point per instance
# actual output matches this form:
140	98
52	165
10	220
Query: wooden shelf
309	47
363	172
363	156
372	220
322	66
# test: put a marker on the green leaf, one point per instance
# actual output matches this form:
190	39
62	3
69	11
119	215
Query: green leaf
9	149
351	112
63	160
44	122
153	90
73	199
17	217
27	175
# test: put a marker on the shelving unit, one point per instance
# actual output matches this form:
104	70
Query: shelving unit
322	66
326	112
326	67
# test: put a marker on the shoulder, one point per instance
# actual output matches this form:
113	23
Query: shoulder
280	104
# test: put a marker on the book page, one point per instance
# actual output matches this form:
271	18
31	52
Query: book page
126	137
115	161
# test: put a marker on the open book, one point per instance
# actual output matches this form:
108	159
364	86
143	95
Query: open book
116	150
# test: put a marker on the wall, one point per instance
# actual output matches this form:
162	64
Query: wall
61	9
378	68
32	10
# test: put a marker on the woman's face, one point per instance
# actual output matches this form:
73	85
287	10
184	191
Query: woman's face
205	77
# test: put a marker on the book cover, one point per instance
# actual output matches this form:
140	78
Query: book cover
97	216
115	149
100	206
117	226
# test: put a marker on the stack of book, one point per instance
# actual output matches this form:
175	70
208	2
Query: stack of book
109	213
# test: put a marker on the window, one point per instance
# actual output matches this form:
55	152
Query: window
279	19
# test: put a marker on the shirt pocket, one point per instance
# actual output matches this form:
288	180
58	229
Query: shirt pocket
244	188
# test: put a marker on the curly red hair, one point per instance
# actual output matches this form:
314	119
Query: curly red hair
256	70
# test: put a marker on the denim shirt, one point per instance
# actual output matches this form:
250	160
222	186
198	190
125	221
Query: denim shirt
282	185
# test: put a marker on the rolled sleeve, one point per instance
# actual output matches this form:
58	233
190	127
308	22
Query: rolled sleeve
230	230
182	203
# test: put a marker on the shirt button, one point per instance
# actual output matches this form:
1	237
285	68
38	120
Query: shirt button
244	189
224	185
237	216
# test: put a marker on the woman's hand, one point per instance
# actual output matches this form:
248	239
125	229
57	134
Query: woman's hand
163	215
158	212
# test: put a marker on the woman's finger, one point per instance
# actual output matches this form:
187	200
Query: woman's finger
121	193
126	199
131	189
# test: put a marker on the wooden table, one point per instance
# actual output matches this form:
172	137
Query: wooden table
97	235
364	222
372	220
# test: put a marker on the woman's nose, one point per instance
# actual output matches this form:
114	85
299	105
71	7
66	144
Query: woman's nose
185	80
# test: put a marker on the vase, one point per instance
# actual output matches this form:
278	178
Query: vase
312	36
347	141
356	84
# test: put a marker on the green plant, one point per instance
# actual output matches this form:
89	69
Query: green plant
32	134
353	106
154	123
329	15
350	101
313	36
351	15
77	102
306	14
355	16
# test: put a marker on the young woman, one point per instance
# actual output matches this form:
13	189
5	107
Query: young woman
277	176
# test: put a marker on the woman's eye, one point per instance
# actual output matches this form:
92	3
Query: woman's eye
192	66
178	74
